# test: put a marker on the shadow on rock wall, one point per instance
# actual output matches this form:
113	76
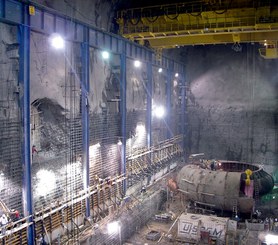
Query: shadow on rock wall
232	103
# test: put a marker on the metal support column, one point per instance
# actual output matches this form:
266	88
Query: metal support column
24	80
85	89
183	113
123	115
170	75
149	103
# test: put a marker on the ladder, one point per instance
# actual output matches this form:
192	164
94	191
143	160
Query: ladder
235	207
256	191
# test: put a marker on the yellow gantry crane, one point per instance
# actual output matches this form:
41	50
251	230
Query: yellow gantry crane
204	22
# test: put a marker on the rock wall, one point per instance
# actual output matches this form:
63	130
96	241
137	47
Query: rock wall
232	103
98	13
10	121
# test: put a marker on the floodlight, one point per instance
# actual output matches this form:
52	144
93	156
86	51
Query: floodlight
159	111
177	74
160	70
105	55
57	41
137	63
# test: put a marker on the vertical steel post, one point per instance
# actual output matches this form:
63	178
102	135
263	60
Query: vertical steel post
24	81
149	103
85	89
123	115
169	102
183	113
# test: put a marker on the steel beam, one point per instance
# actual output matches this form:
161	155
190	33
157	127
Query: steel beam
85	90
123	114
24	81
211	38
149	103
183	113
170	76
47	21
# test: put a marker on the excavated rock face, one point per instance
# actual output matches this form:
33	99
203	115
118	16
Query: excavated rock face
231	103
99	13
52	125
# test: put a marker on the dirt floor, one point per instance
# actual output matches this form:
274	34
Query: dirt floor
164	223
168	228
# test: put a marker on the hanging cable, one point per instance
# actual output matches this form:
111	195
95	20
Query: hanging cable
168	16
153	20
136	23
196	15
225	10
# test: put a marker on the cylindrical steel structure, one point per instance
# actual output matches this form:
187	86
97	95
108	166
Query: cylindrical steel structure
222	189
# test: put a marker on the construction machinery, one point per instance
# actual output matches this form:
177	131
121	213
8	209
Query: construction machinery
204	22
231	186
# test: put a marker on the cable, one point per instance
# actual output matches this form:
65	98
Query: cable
174	18
152	21
225	10
170	18
138	20
196	15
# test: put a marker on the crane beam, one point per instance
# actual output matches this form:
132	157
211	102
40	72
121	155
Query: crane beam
174	41
229	25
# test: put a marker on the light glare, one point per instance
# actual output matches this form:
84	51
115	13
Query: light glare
160	70
57	41
177	74
159	111
105	55
46	182
93	149
113	227
140	129
137	63
271	239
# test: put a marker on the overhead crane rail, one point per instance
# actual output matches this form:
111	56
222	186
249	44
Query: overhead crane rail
200	23
198	6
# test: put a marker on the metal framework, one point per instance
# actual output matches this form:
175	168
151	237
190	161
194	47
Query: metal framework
200	23
24	76
93	200
103	195
85	88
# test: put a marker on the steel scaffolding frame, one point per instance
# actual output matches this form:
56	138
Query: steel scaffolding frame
46	21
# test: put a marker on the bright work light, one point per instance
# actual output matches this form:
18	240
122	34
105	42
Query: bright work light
105	55
137	63
57	41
